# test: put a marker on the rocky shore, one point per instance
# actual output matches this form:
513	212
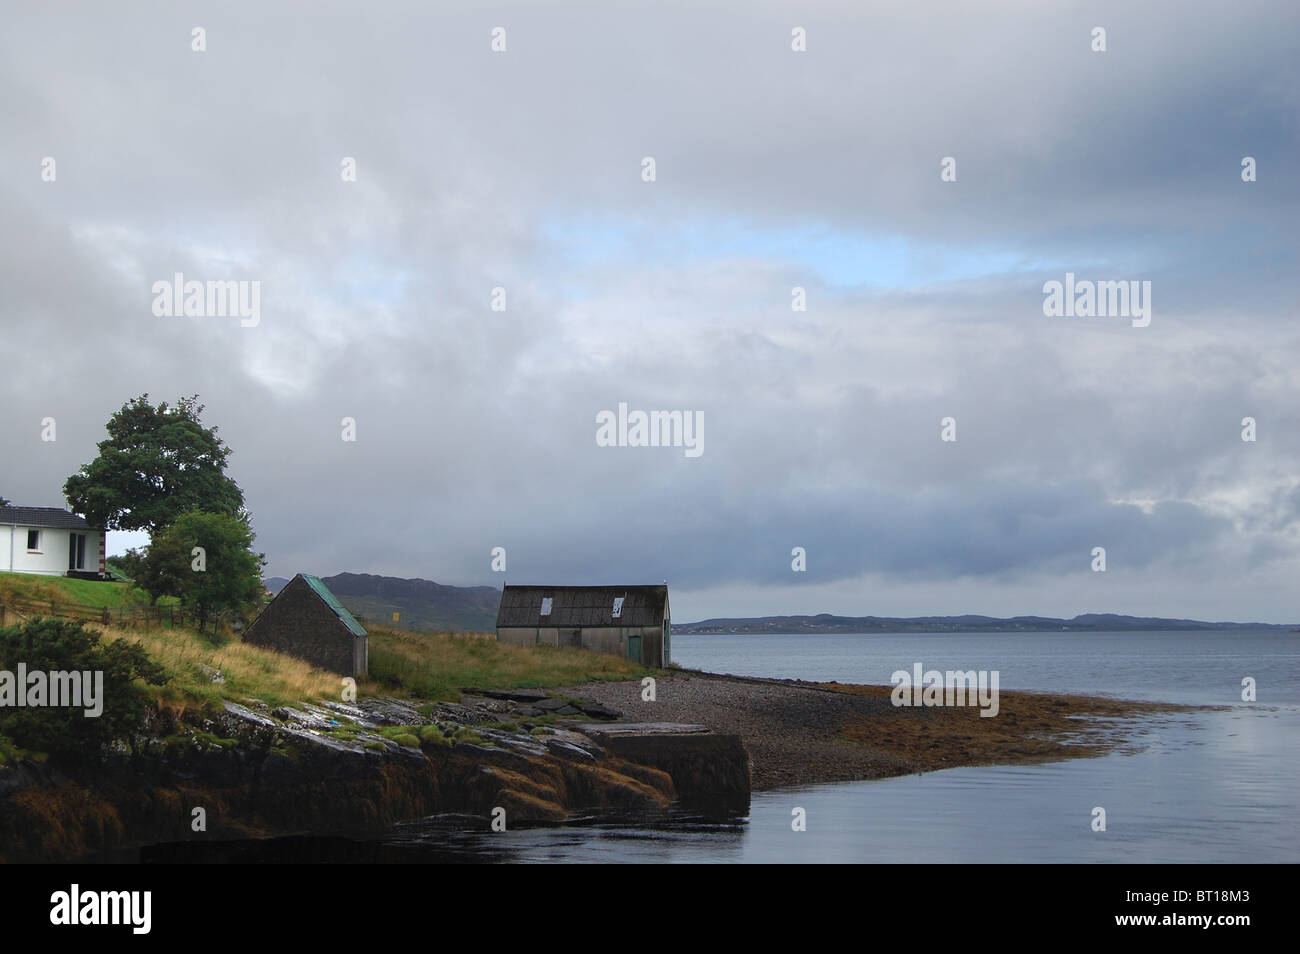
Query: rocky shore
542	756
333	769
802	733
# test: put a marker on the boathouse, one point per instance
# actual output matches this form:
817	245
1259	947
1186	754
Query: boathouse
306	620
629	621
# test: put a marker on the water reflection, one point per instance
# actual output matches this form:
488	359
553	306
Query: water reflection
1194	794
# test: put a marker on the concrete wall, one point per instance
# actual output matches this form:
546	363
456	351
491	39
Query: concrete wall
298	623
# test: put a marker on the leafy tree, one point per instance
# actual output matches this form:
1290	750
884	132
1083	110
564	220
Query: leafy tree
227	575
3	502
126	564
153	577
157	463
59	645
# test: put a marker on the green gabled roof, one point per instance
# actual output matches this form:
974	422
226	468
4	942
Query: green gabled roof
332	601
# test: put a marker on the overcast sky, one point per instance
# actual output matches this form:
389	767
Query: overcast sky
774	169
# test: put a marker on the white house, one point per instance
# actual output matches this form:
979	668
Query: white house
50	541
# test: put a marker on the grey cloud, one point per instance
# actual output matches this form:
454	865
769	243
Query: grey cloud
476	428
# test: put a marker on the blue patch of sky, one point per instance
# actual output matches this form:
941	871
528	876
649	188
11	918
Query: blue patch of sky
833	257
366	281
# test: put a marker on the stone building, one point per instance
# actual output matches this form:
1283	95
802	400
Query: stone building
306	620
630	621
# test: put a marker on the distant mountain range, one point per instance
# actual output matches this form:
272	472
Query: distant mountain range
826	623
422	604
426	605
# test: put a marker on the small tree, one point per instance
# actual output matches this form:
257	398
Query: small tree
58	645
206	560
157	463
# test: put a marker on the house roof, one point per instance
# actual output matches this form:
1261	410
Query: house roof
332	601
55	517
576	606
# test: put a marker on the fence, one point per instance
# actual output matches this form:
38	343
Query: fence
14	609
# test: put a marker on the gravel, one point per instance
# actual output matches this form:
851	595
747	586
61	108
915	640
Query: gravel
791	732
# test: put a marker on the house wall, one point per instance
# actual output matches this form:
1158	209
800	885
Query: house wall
52	560
298	623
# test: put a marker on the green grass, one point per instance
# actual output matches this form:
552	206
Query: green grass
431	733
88	592
438	665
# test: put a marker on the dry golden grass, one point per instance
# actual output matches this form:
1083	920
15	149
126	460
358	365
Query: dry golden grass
418	665
402	663
249	671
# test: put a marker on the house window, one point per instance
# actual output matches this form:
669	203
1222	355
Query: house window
618	606
33	541
76	551
546	606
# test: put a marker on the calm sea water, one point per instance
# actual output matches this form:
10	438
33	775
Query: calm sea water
1220	786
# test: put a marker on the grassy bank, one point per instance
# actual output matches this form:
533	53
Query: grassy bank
436	666
403	664
97	593
204	671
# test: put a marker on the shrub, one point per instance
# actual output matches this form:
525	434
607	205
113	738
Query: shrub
54	645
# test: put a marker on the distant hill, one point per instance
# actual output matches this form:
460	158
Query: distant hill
274	584
422	604
1087	622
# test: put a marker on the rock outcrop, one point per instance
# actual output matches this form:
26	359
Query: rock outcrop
344	770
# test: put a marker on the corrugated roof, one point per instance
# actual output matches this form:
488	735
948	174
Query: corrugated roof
323	591
55	517
577	606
